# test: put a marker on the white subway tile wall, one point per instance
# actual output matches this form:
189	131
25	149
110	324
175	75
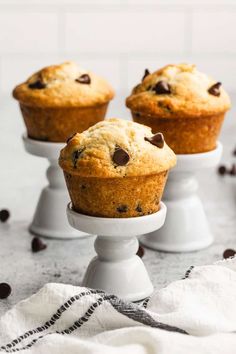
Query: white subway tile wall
125	32
214	32
118	38
28	32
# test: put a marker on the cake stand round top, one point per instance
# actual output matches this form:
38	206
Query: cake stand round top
40	148
121	227
192	162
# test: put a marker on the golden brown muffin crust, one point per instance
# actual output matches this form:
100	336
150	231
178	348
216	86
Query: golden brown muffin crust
187	94
91	153
116	197
64	85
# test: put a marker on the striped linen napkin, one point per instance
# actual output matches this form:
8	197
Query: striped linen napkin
194	315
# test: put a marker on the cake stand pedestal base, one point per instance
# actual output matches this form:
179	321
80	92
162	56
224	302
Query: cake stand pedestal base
186	228
117	269
50	217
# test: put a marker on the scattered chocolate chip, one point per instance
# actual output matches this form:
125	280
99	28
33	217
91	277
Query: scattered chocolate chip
146	73
162	87
4	215
5	290
37	245
57	275
232	171
157	140
75	156
84	79
37	85
140	252
70	137
139	208
215	89
120	156
228	253
83	186
122	208
222	170
137	115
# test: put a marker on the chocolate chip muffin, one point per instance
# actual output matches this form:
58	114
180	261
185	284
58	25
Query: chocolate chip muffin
60	100
116	169
184	104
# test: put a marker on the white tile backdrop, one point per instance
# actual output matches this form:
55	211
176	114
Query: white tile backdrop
117	39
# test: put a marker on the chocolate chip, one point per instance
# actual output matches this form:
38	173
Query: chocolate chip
140	252
157	140
70	137
122	208
84	79
228	253
162	87
234	152
37	85
4	215
83	186
120	156
215	89
37	245
146	73
232	171
137	115
75	156
5	290
222	170
57	275
139	208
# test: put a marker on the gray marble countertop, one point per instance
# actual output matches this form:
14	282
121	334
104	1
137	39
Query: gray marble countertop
66	261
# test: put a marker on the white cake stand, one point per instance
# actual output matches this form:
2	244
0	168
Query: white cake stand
116	269
186	228
50	217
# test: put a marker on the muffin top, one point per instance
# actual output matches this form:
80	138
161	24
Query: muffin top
64	85
178	91
116	148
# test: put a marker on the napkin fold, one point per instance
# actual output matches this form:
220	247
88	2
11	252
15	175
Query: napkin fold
196	314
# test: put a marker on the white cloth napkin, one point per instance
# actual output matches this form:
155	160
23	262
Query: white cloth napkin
194	315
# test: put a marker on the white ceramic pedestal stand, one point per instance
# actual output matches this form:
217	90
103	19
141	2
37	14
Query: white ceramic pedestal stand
50	217
186	228
116	269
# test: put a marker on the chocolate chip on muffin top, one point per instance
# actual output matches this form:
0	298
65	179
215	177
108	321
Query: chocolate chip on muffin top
64	85
157	140
84	79
181	88
146	73
116	148
120	156
37	85
215	89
